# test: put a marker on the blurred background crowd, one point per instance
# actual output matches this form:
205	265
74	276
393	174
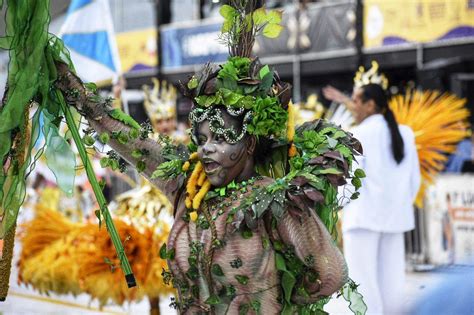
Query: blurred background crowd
424	48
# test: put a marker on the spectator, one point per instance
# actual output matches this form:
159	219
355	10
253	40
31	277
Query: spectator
373	225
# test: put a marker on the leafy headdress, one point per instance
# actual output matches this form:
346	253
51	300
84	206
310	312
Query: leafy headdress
242	86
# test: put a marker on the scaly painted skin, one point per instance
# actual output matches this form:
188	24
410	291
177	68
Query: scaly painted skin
308	236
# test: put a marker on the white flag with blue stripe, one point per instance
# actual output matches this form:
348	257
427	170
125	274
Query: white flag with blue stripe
89	35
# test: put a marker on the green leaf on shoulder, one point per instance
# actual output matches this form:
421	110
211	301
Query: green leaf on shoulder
355	195
113	164
359	173
122	138
331	170
264	71
255	305
356	182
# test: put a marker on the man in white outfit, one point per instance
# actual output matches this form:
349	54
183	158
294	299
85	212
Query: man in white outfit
373	225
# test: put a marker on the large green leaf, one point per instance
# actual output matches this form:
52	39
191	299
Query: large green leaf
288	283
274	17
272	30
227	12
355	299
259	16
60	159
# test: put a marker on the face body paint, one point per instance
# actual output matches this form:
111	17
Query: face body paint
222	161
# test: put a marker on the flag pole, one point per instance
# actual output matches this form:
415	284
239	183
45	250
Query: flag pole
125	265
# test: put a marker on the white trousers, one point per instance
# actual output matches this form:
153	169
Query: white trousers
376	262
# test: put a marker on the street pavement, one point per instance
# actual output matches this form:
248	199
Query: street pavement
25	300
22	300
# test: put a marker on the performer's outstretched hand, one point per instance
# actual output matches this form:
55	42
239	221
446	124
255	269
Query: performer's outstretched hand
335	95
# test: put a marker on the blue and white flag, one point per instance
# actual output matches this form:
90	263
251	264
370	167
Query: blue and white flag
88	33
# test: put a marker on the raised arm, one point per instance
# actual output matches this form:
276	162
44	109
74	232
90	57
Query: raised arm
97	112
314	246
333	94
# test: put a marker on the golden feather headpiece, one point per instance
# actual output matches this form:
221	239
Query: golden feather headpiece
371	76
160	102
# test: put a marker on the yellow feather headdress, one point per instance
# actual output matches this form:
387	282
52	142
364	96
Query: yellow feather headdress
363	77
439	122
160	102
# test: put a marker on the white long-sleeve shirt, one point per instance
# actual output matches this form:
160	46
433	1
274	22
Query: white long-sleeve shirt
389	189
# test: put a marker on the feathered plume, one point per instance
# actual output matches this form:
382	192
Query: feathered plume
439	122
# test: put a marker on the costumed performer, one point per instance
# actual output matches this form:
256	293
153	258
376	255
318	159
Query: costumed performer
242	242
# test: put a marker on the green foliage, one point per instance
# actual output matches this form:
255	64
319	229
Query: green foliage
104	162
235	68
168	170
311	143
288	278
126	119
356	303
104	138
217	270
235	20
242	279
213	300
193	83
88	140
246	234
91	86
255	305
137	153
134	133
359	173
166	254
122	137
34	55
31	68
269	118
141	165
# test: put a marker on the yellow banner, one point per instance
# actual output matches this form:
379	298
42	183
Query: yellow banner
137	50
388	22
